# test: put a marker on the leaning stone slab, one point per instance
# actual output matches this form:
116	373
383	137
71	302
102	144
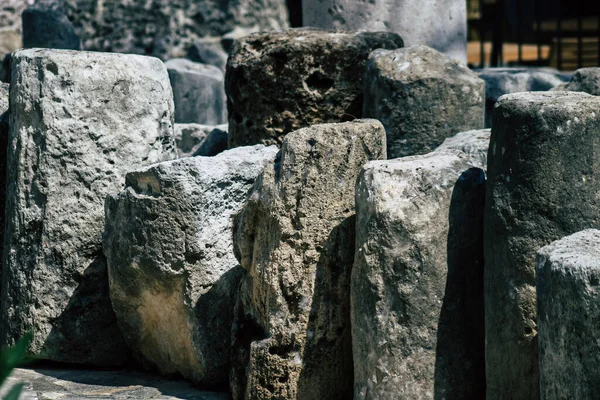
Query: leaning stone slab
568	304
441	24
501	81
421	97
417	280
200	140
278	82
198	92
541	187
172	272
78	122
295	242
585	80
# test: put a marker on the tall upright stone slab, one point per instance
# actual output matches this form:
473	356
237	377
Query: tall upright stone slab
441	24
172	274
4	87
78	122
417	280
422	97
198	92
278	82
568	304
295	242
542	186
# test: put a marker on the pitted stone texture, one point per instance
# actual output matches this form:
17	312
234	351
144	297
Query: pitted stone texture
501	81
474	144
78	122
585	80
200	140
278	82
173	276
542	186
295	242
198	92
441	24
45	25
417	280
166	28
568	303
421	97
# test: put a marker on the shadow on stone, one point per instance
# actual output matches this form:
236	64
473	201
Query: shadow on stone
328	350
460	366
90	320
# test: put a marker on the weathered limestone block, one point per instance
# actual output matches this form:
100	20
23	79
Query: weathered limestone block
501	81
441	24
200	140
541	187
295	242
568	305
421	97
417	280
46	25
78	122
208	51
198	92
278	82
172	273
166	28
583	80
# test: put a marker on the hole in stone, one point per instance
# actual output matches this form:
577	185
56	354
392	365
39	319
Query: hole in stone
249	123
237	118
52	67
528	331
594	281
312	142
280	59
319	82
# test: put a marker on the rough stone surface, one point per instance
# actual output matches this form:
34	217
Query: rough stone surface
200	140
568	304
585	80
417	281
542	186
45	25
295	242
501	81
166	28
78	122
4	88
172	273
208	51
198	92
441	24
473	143
47	383
10	24
281	81
421	97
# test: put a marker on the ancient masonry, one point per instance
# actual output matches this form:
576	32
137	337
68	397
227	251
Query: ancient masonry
295	213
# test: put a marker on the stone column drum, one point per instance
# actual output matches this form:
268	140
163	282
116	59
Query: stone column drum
568	304
78	122
542	185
